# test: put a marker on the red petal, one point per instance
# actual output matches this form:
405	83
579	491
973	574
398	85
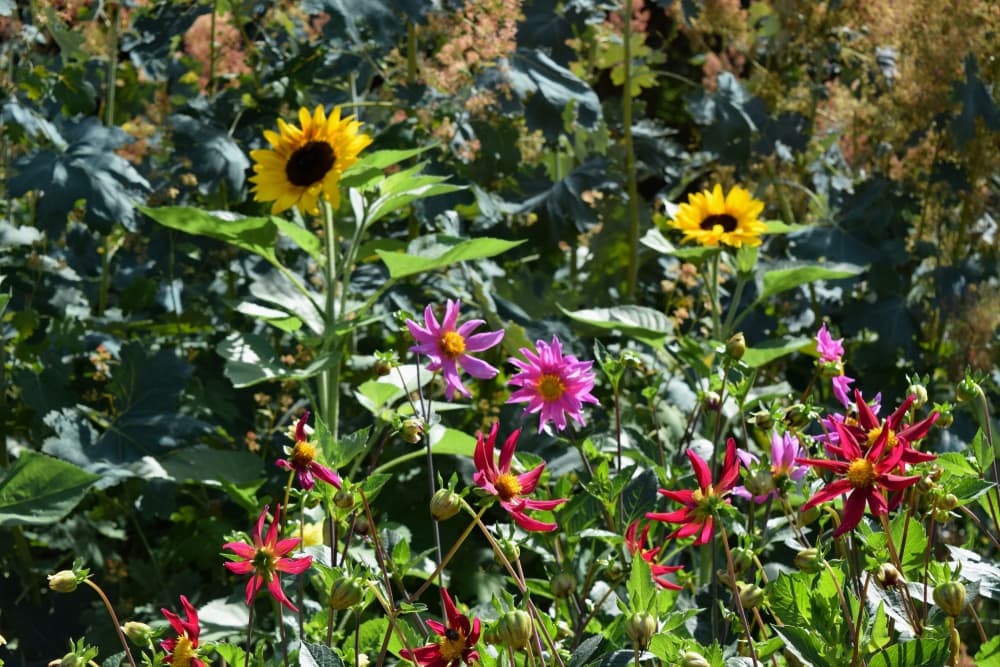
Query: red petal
274	586
507	451
293	565
866	418
854	509
685	496
831	491
701	472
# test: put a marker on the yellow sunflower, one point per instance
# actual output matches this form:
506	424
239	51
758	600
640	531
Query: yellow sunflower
709	218
306	163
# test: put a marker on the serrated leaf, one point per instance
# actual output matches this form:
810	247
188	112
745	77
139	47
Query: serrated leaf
913	653
967	489
38	489
988	654
205	464
805	645
402	265
780	280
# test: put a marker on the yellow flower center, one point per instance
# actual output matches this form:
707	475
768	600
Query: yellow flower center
874	434
303	454
551	387
727	222
507	486
452	344
263	562
183	652
861	473
310	163
452	645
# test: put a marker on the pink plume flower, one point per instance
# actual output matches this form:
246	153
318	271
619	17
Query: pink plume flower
553	384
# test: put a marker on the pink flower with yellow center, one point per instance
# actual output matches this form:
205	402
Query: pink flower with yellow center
265	559
302	459
553	384
182	650
864	476
456	641
449	346
496	478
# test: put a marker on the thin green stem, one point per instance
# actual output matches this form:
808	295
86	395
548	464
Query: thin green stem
109	108
330	378
630	170
448	556
736	594
246	651
713	291
733	305
114	619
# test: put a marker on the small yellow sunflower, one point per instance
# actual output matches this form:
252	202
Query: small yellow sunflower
304	164
709	218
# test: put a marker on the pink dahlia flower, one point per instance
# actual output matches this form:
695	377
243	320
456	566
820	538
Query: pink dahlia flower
449	345
553	384
828	348
302	459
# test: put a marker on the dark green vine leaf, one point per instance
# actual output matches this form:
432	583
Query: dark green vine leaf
975	99
215	157
38	489
535	74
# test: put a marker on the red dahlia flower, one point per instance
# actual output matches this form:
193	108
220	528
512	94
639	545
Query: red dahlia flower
182	650
457	640
637	547
865	475
497	479
302	459
869	428
700	505
265	559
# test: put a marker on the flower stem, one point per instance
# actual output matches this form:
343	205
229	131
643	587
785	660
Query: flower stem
114	619
448	556
736	594
630	170
713	291
330	379
246	652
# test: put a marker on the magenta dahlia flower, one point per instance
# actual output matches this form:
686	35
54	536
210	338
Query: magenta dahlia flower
553	384
182	650
455	643
828	348
302	459
449	345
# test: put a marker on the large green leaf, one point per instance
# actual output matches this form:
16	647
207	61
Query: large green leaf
805	645
250	359
769	350
783	279
256	235
914	653
456	250
638	322
205	464
39	489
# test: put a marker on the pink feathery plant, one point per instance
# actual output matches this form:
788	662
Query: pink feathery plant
553	384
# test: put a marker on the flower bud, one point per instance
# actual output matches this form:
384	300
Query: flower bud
343	499
937	472
762	419
809	560
361	525
797	415
887	575
445	504
942	516
806	517
491	636
919	393
925	484
63	581
563	630
510	550
711	401
412	430
640	628
563	584
968	389
138	633
759	482
381	368
693	659
948	502
750	595
346	592
945	416
742	559
736	346
950	596
515	629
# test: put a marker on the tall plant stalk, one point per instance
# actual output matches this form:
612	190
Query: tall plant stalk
630	179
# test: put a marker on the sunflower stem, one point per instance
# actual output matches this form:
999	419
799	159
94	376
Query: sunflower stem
330	379
713	291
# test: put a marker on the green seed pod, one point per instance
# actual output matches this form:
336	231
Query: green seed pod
967	389
640	628
515	629
445	504
693	659
346	592
563	584
510	551
950	596
750	595
806	517
138	633
809	560
925	484
948	502
762	419
343	499
942	516
919	393
361	525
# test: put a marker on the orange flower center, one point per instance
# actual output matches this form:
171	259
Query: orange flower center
303	454
183	653
874	434
861	473
551	387
452	344
507	486
452	645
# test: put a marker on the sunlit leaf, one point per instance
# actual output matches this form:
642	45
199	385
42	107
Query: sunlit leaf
402	265
38	489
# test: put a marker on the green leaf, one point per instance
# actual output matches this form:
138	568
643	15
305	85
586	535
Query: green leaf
967	489
769	350
451	441
779	227
256	235
789	596
913	653
988	654
205	464
250	360
784	279
877	634
402	265
641	590
300	236
372	484
318	655
638	322
370	169
38	489
955	464
805	645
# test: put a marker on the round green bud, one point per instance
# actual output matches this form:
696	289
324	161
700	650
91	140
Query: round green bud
138	633
412	430
510	551
919	393
809	560
361	525
950	597
762	419
887	575
346	592
515	629
445	504
640	628
949	501
693	659
563	584
736	346
63	581
343	499
968	389
750	595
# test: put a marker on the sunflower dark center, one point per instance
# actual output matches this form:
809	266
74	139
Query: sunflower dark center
309	164
726	221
